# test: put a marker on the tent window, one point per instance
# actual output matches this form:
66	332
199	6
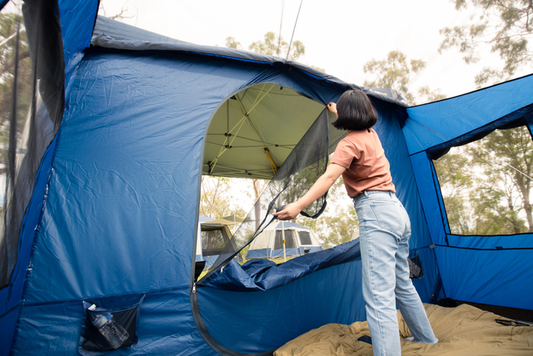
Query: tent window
289	240
305	238
213	242
486	185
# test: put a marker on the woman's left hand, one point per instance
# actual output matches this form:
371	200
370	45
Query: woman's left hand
290	212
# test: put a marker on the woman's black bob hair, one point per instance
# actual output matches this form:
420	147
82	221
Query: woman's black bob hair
355	111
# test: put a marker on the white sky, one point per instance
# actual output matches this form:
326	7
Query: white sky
339	35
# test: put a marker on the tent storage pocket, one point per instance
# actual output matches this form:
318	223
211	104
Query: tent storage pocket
109	324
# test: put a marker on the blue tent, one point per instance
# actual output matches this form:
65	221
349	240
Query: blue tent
124	127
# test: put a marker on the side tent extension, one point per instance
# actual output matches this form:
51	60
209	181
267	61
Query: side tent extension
492	270
112	218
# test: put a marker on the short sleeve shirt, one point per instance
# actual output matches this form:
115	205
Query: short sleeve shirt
367	168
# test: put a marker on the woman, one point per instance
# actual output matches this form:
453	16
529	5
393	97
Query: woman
384	226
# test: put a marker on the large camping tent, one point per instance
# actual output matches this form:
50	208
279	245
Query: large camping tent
299	240
103	202
212	236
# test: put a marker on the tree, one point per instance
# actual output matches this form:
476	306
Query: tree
119	16
273	45
504	25
232	43
216	197
395	72
276	46
496	208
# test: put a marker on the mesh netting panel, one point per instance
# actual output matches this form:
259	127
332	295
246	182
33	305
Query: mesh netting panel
37	101
304	165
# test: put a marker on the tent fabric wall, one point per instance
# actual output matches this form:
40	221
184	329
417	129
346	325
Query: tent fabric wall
53	329
429	193
240	321
487	276
263	275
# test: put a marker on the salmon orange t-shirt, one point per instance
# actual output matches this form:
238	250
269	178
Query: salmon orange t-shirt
367	168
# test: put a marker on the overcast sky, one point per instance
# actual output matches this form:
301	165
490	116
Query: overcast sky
339	35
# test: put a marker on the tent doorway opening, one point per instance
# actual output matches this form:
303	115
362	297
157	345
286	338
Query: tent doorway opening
250	137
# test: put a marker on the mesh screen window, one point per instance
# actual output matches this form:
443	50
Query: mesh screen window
305	238
289	240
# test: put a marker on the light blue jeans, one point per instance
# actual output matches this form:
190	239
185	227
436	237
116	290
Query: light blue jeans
384	232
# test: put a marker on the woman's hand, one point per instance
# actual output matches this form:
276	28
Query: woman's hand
290	212
332	107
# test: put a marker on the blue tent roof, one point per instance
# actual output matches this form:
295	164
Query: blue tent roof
454	118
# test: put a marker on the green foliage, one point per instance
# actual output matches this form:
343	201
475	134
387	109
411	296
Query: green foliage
425	95
395	72
232	43
272	45
276	46
506	25
337	229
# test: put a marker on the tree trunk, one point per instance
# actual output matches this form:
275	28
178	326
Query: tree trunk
524	188
257	207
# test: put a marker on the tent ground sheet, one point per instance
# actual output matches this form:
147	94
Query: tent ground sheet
462	331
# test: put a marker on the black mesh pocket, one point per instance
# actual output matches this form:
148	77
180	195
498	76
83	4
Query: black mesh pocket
415	267
110	324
